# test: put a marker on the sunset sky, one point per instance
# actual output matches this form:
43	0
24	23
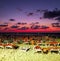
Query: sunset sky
27	15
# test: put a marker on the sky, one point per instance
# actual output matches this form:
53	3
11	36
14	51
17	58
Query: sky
27	11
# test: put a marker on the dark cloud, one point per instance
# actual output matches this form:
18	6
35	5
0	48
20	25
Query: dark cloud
41	18
51	14
44	27
38	10
35	27
3	25
39	27
18	23
11	19
30	14
55	24
14	26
